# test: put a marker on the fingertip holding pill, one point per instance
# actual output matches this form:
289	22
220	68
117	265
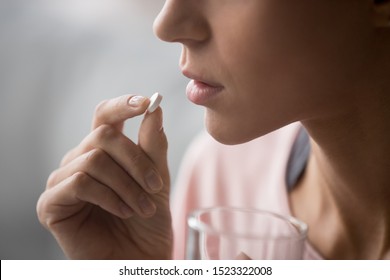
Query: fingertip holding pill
155	101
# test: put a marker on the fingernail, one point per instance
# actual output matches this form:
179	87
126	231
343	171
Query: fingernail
136	101
147	207
153	181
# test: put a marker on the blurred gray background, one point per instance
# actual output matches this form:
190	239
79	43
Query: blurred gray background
58	60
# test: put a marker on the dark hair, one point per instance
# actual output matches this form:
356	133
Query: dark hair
379	1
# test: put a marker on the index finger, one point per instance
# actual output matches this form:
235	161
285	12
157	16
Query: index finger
115	111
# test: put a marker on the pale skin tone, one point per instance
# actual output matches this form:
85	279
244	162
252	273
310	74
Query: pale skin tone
324	63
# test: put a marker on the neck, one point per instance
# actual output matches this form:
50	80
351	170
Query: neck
353	155
346	186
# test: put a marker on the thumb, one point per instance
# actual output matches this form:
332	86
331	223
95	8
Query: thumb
153	141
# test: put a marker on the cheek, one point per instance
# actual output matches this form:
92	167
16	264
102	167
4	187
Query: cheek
286	66
260	92
303	47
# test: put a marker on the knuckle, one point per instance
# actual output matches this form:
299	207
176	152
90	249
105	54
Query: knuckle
52	179
44	210
79	179
119	102
41	210
66	158
105	132
99	109
95	157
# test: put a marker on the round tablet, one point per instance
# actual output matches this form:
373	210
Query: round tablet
155	101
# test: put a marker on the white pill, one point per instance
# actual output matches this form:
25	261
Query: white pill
155	101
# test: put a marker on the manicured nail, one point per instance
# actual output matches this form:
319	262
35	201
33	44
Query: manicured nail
136	101
147	207
153	181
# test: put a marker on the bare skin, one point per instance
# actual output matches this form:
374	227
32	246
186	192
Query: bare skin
344	193
324	63
92	203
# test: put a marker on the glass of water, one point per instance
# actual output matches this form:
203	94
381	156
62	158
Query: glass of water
224	233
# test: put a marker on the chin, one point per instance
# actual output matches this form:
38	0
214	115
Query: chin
226	140
230	135
233	132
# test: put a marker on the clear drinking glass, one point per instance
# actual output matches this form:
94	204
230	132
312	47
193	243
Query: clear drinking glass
236	233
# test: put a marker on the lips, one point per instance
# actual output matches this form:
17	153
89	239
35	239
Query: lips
201	91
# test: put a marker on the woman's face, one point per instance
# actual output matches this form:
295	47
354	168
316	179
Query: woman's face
257	65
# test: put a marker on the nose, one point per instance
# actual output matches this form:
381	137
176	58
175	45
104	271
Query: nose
182	21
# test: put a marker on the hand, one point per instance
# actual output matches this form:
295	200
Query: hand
109	199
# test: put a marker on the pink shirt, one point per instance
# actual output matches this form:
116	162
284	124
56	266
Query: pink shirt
250	175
